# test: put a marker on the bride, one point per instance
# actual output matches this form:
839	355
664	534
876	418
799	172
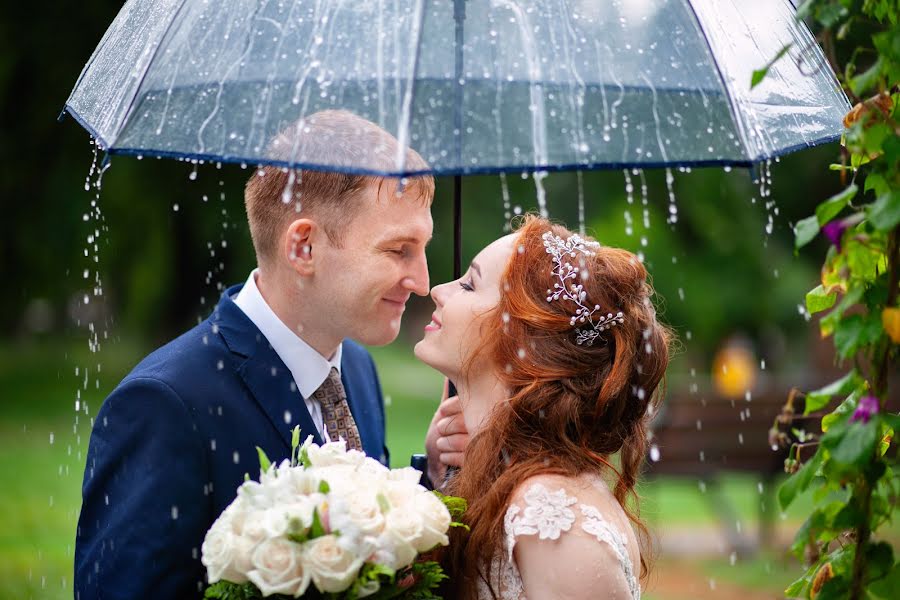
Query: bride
554	346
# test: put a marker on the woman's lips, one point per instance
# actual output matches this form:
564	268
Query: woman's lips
434	325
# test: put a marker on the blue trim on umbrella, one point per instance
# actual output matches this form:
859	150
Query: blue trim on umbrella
91	131
493	170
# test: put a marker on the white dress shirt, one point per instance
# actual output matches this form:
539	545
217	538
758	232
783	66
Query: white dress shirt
309	368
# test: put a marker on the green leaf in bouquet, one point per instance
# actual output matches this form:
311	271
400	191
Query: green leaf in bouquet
383	503
225	590
832	207
456	505
295	443
324	488
264	462
821	397
316	530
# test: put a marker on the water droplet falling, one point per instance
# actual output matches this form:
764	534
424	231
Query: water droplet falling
581	224
507	209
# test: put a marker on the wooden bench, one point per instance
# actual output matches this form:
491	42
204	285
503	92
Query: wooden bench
700	435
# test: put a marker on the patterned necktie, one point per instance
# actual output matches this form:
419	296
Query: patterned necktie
336	414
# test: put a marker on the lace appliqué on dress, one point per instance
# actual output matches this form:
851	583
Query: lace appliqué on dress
547	515
597	526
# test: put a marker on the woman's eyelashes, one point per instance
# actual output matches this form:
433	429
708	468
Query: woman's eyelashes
466	285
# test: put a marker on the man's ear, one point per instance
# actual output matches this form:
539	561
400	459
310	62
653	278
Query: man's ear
299	241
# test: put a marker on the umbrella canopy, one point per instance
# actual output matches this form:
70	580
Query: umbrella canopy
535	85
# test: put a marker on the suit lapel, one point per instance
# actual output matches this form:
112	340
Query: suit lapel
270	382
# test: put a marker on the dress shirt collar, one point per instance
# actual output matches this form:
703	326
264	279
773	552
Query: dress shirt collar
309	368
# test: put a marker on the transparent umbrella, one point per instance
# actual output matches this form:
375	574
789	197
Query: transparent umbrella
475	86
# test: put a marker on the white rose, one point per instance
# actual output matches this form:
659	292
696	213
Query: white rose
254	526
406	474
372	467
274	522
218	554
278	568
400	494
358	510
393	551
435	521
331	566
406	525
334	453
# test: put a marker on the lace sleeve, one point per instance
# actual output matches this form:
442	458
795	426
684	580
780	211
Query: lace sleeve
549	563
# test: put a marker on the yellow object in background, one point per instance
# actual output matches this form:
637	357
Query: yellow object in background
734	370
890	320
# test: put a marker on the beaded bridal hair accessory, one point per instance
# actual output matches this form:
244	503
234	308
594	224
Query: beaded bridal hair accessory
563	270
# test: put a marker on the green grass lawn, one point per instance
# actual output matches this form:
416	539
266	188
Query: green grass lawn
43	441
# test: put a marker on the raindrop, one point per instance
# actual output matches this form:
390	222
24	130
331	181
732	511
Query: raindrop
174	513
654	453
236	457
220	365
581	224
670	187
507	210
539	177
287	416
733	558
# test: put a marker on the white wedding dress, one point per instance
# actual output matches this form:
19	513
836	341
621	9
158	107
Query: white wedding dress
573	548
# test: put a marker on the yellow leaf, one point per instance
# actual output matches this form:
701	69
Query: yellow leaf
890	320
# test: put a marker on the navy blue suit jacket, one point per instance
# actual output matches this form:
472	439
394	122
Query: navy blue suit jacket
170	446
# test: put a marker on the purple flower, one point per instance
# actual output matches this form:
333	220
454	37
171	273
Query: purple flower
834	231
868	406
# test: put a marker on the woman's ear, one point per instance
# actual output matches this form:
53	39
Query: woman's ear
299	240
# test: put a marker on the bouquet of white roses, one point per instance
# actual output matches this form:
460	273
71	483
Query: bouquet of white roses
332	523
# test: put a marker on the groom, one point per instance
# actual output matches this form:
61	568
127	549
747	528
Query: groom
338	257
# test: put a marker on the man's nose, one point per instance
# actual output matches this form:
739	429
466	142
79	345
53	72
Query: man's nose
416	280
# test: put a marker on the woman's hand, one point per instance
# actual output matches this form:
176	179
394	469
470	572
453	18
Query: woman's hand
447	437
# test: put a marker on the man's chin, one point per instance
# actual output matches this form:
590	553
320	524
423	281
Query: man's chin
381	337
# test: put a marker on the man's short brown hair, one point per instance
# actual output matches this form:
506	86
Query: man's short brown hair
274	196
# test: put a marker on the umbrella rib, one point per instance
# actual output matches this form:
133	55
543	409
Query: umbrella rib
137	90
735	117
403	129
